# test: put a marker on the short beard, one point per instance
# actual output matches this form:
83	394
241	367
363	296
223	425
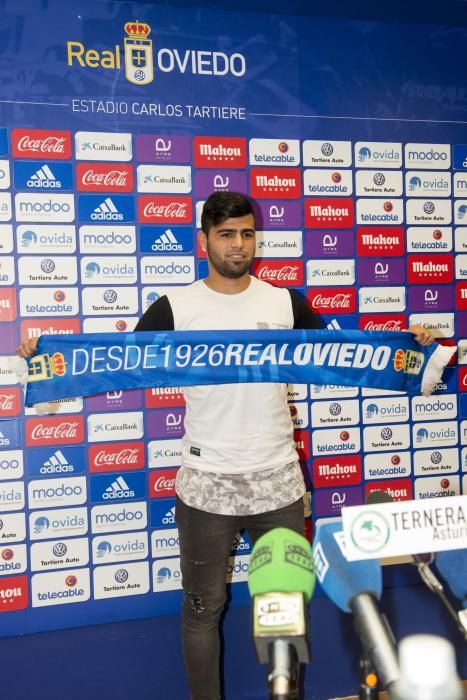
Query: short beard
225	269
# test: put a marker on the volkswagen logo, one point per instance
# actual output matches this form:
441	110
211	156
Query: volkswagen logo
436	457
60	549
327	149
121	575
379	179
428	207
335	409
47	265
110	295
386	433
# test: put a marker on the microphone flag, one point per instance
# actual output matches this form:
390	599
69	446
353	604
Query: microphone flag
87	364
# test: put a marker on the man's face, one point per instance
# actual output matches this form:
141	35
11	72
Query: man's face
231	246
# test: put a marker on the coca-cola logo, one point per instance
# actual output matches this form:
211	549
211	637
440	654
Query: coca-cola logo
123	456
337	300
162	483
280	273
165	209
55	432
34	142
51	144
7	402
97	177
45	431
383	322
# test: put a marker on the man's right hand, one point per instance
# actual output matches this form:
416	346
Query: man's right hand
27	347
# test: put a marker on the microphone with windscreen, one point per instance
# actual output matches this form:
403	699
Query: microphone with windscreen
452	566
281	580
355	587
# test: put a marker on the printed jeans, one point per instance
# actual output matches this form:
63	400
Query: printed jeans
205	544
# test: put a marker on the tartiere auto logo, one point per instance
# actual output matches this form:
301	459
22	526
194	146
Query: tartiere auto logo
140	60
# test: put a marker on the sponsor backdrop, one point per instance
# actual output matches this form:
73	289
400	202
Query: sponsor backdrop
116	124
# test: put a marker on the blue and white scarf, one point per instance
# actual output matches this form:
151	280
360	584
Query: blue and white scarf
81	365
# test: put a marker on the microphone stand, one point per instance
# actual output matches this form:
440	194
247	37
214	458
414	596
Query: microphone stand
369	681
284	668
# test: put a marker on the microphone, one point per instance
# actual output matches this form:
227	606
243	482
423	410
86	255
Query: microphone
452	565
428	670
453	562
356	587
281	580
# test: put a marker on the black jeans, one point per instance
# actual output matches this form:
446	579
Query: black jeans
205	544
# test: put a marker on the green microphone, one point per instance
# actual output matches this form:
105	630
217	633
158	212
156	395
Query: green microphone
281	580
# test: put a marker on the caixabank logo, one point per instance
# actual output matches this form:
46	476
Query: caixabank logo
141	60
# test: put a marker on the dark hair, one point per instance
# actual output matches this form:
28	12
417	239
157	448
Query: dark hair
221	206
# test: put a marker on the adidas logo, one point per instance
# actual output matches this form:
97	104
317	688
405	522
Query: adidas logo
169	517
107	211
167	241
118	489
44	177
333	325
240	544
57	464
4	441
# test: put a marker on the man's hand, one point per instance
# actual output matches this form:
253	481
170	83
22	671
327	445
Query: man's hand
27	347
422	335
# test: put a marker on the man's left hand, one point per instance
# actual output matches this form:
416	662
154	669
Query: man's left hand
422	335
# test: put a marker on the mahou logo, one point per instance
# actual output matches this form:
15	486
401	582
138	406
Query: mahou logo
10	402
461	296
337	471
162	483
375	241
33	328
217	152
8	311
398	489
422	269
335	212
40	143
164	396
54	430
337	300
114	457
275	183
280	273
104	177
13	593
302	444
383	322
165	209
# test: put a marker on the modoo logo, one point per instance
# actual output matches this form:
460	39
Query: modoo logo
140	60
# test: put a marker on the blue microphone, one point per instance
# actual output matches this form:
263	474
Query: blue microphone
452	565
355	587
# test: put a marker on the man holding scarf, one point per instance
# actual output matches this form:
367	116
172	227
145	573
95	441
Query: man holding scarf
239	463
